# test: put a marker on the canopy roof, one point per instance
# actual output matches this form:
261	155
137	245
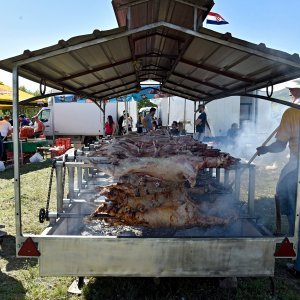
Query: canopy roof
163	42
6	95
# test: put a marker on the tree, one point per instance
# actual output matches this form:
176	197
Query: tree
145	103
29	111
24	89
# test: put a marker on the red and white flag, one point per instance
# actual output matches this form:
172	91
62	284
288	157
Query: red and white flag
215	19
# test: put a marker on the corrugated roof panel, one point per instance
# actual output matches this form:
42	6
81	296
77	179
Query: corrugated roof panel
179	12
193	84
93	56
199	50
267	73
106	75
66	62
203	75
225	57
41	69
189	63
254	64
224	82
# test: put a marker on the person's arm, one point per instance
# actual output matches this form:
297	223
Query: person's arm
10	130
277	146
116	129
198	121
42	126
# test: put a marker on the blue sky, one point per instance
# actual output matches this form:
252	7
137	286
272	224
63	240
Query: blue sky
34	24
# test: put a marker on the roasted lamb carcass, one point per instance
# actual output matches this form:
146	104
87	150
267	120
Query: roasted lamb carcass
152	172
165	206
175	168
167	215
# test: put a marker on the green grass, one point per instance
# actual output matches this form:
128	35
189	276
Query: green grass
19	278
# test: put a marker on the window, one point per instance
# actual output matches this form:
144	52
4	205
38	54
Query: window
245	111
44	115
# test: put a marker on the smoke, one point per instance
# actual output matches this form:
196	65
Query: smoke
253	133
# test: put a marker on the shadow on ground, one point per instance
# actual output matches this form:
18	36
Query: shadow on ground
7	281
265	210
27	168
156	288
8	253
193	288
7	284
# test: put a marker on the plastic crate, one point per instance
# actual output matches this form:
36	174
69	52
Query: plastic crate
63	142
10	156
57	151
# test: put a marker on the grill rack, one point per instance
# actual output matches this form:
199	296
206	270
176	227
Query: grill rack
86	174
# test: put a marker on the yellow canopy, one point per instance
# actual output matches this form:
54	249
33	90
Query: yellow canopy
6	95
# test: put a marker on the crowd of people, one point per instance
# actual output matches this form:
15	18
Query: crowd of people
31	128
145	123
125	123
28	128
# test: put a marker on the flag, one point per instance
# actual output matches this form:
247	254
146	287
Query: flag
215	19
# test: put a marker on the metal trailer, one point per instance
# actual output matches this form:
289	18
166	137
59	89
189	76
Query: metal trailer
61	254
64	251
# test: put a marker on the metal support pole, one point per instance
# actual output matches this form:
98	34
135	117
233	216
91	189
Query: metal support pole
218	171
195	18
79	178
169	105
127	114
210	171
184	115
251	190
59	187
195	105
103	118
129	17
16	152
21	153
226	177
86	174
237	184
297	214
71	172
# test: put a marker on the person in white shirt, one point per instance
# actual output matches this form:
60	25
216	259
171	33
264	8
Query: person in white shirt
5	131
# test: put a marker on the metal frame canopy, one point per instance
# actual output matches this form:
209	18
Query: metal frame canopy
190	61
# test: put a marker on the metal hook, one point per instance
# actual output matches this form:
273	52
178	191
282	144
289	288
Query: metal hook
43	86
269	85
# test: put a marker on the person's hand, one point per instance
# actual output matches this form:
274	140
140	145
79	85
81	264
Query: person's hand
262	150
